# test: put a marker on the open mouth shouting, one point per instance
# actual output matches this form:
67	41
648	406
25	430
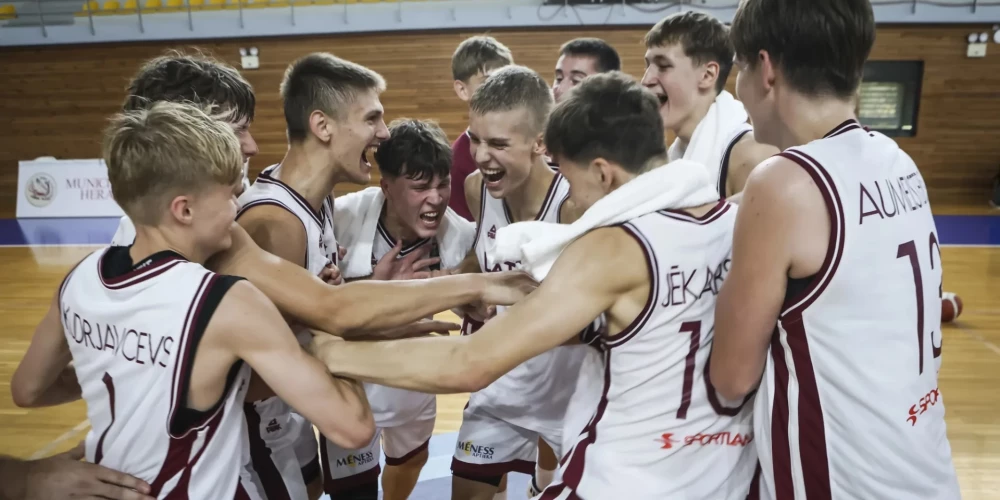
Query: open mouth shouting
431	219
492	176
366	164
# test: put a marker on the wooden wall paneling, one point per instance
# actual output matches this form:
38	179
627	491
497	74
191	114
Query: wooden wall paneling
55	100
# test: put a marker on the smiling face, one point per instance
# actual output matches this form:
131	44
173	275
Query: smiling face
676	80
418	205
212	210
502	148
358	132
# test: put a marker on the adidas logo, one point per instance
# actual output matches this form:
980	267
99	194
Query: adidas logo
492	233
273	426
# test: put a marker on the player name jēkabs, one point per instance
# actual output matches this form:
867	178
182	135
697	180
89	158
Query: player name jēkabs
894	197
688	285
116	340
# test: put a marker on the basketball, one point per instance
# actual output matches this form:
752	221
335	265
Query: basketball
951	307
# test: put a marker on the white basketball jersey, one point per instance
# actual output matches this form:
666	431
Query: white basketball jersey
133	333
391	406
533	395
321	244
722	175
849	405
659	429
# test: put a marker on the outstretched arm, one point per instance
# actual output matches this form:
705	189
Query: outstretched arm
366	306
250	327
44	377
565	303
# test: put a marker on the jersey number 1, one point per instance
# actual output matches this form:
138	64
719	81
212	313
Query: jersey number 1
694	329
909	249
110	384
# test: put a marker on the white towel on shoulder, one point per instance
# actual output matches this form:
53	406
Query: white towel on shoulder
676	185
125	235
710	138
355	220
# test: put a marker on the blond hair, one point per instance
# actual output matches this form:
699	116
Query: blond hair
156	153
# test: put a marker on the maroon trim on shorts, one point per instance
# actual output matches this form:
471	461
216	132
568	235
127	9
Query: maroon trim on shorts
407	457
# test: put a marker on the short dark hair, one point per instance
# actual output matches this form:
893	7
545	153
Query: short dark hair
416	149
820	46
324	82
478	54
603	53
196	78
703	38
610	116
515	87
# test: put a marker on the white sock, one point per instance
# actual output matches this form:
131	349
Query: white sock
502	495
543	477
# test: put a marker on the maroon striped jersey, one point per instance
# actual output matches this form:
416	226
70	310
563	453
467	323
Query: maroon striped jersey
849	405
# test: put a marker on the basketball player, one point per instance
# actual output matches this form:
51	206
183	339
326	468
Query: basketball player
199	79
688	60
835	255
357	309
154	342
409	209
473	61
658	430
580	58
329	104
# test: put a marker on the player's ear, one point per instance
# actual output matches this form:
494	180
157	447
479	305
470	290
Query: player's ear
605	172
180	209
538	148
461	90
384	184
320	126
710	73
767	70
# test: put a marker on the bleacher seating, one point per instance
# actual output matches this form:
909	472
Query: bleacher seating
10	10
56	12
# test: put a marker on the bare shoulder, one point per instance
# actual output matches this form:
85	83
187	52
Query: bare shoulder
611	256
569	212
271	218
242	309
779	181
748	150
276	230
783	215
746	155
474	193
229	260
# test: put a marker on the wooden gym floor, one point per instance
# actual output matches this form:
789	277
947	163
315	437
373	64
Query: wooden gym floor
968	379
